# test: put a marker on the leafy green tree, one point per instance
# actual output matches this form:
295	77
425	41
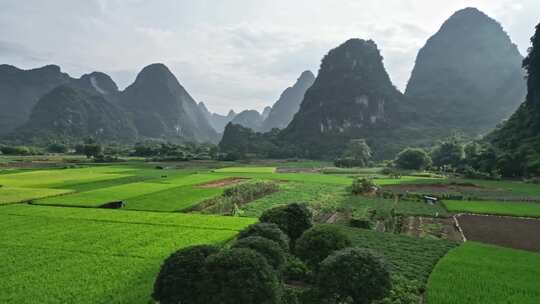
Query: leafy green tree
181	276
354	273
241	276
293	219
270	231
448	153
92	150
57	148
356	154
319	242
412	159
270	250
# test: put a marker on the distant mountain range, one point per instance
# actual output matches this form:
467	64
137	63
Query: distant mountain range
467	78
46	103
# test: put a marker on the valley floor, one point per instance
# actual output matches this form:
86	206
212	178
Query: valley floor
62	245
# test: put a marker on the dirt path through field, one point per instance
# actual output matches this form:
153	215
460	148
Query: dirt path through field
222	182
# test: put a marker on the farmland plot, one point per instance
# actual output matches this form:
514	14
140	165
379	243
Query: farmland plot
524	209
73	255
476	273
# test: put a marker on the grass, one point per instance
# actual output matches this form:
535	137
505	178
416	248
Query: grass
140	195
246	170
67	255
494	207
412	258
477	273
175	199
9	195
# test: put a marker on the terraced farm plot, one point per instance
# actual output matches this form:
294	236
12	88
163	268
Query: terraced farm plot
494	207
476	273
74	255
412	258
61	178
9	195
168	194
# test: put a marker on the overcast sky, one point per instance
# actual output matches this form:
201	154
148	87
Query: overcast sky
237	54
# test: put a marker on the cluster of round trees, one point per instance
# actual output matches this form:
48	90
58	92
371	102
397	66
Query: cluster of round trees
266	257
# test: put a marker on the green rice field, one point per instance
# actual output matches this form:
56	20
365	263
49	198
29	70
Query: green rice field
523	209
477	273
75	255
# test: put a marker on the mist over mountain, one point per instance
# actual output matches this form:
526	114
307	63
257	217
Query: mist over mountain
161	108
217	121
251	119
288	104
69	112
352	97
468	76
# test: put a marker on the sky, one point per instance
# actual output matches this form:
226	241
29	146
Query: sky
231	54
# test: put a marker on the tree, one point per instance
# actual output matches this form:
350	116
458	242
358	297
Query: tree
448	153
413	159
180	277
57	148
293	219
270	231
270	250
319	242
354	273
357	153
241	276
92	150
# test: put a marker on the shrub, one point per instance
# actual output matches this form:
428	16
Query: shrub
412	159
57	148
266	230
360	223
241	276
403	291
354	273
181	274
363	186
319	242
15	150
270	250
293	219
295	269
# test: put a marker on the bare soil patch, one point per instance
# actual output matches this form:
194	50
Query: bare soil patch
513	232
223	182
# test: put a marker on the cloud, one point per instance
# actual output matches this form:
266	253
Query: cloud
231	54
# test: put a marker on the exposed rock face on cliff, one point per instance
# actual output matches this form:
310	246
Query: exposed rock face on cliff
352	97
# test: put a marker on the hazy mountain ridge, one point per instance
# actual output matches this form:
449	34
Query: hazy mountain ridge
468	75
288	104
156	104
161	108
69	112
